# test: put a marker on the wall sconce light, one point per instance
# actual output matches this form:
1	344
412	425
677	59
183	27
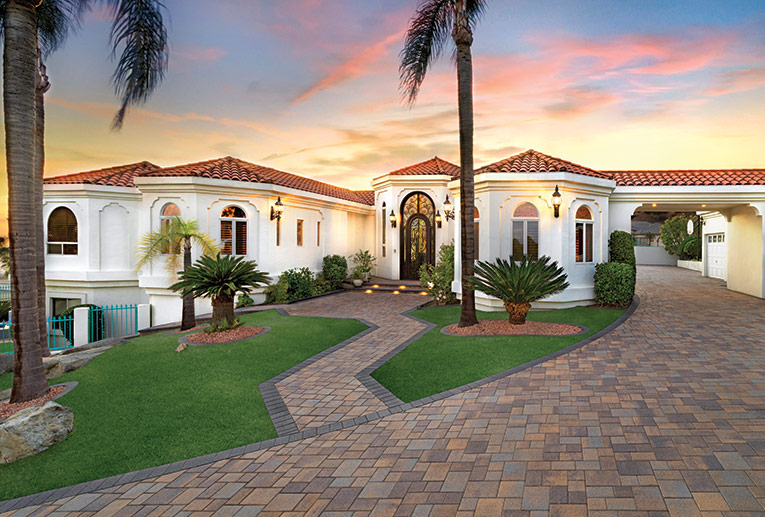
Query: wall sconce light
277	209
438	219
448	210
392	219
556	201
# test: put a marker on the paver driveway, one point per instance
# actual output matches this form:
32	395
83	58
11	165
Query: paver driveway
666	414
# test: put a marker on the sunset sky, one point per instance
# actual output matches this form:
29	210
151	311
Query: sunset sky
310	87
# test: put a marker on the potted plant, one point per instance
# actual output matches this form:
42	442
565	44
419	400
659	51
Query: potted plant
357	276
364	262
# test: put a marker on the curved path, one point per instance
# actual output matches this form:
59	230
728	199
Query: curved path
666	415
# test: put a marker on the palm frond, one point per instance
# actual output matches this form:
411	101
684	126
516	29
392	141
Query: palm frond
428	32
139	29
55	20
215	277
168	241
525	281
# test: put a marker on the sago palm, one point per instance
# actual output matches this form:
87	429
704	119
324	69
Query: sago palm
220	278
518	284
429	31
139	36
173	241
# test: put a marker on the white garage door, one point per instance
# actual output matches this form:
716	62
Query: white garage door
717	256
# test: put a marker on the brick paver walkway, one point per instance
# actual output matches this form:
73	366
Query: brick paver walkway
327	391
666	415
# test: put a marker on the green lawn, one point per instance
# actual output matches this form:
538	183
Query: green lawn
142	404
437	362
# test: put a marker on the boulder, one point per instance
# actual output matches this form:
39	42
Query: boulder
6	363
59	364
33	430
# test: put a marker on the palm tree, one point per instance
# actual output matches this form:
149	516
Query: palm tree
139	31
220	278
518	284
168	241
426	37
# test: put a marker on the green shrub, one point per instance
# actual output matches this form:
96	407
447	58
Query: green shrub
95	329
614	284
244	300
223	326
335	270
300	283
320	284
277	293
364	262
691	248
438	279
674	232
621	248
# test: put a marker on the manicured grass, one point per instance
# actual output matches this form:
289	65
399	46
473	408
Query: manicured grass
142	404
437	362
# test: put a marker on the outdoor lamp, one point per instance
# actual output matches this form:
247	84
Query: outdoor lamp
277	209
556	201
392	219
438	219
448	210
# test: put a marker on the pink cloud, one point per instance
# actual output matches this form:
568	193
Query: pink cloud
738	81
352	68
577	101
192	52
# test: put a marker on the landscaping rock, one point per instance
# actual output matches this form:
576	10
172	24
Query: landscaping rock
181	347
6	363
5	394
58	365
33	430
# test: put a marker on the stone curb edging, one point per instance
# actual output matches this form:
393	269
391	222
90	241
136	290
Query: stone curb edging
69	387
185	339
395	404
366	380
582	330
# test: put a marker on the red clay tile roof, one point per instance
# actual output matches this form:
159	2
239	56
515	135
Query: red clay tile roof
687	178
119	176
534	161
368	196
433	166
233	169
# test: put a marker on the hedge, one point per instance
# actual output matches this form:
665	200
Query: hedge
300	282
614	284
335	270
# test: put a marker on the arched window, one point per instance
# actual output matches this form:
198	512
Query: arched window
169	211
62	232
584	228
476	230
233	231
525	231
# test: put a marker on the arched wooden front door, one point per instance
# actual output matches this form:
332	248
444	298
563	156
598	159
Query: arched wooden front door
417	234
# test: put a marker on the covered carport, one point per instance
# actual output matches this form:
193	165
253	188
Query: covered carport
732	205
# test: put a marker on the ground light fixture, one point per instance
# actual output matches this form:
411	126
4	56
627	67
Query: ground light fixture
556	198
277	209
392	219
448	210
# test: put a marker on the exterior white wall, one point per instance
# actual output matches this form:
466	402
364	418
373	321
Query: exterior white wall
654	256
497	196
745	238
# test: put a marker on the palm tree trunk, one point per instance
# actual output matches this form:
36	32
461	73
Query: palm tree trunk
19	71
223	309
41	87
188	317
516	312
463	39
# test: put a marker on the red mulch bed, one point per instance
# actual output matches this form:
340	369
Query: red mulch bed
192	329
212	338
503	328
7	409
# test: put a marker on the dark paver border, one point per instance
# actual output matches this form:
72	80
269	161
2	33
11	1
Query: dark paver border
160	470
394	403
185	339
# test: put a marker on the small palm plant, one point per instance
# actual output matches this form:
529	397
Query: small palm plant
220	278
518	284
174	240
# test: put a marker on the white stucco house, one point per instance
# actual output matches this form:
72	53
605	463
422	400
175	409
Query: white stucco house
94	220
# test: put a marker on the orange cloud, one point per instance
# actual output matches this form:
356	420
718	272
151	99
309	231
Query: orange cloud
738	81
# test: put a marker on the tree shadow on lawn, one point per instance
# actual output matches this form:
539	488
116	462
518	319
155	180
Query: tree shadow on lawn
438	362
142	404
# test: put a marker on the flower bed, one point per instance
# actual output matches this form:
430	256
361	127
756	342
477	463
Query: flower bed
226	336
504	328
7	409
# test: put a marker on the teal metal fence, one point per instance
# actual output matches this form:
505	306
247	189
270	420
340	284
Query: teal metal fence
112	321
59	334
5	293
